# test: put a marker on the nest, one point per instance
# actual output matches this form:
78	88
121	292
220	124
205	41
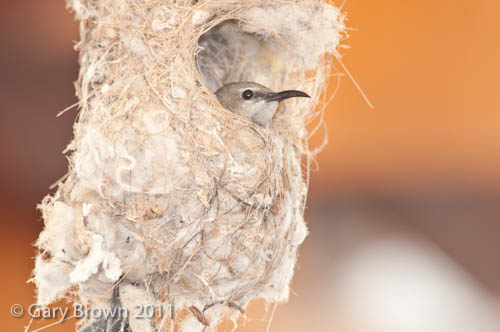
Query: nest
179	202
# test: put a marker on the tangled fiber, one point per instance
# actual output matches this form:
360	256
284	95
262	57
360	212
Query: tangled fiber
171	200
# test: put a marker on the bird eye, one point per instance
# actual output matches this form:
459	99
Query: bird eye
247	94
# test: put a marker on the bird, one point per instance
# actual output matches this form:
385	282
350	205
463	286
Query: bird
253	100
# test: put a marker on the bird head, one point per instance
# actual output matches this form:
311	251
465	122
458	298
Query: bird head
253	100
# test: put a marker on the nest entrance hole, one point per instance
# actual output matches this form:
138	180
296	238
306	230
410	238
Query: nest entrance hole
230	54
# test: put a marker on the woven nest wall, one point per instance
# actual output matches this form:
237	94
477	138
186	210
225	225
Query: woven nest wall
170	197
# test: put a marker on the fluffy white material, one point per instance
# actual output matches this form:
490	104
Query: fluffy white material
96	257
138	303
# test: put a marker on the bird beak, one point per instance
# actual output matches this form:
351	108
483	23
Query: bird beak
279	96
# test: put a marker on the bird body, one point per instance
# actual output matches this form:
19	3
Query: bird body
253	100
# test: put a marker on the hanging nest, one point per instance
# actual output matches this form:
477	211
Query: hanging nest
170	198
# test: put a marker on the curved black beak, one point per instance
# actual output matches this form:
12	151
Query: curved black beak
279	96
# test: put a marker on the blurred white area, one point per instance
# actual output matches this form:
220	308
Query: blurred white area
404	283
392	266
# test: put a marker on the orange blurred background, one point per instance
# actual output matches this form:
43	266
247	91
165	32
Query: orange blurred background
421	171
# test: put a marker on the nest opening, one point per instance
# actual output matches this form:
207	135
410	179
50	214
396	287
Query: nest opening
229	54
